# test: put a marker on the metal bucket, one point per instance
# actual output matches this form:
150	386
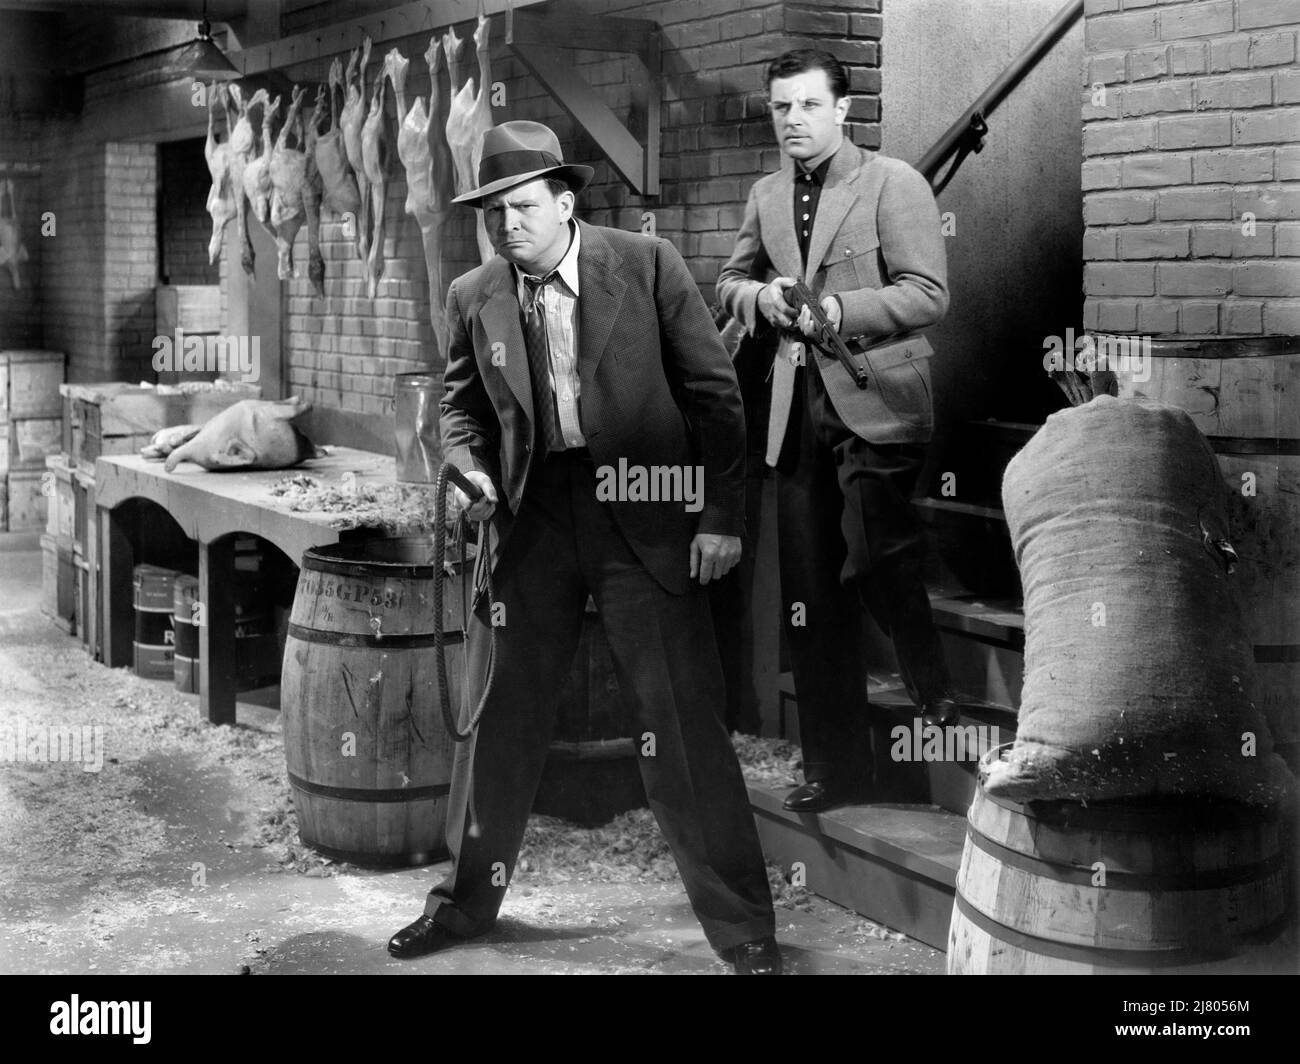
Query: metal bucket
415	426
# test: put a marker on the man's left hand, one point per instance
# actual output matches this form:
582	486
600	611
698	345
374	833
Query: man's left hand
713	556
830	307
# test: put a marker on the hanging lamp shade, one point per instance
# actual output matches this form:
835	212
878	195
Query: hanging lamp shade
203	60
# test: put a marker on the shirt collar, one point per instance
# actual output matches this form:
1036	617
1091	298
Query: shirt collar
567	270
818	175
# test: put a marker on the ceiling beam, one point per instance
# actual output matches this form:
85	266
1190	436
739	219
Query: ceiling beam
218	10
403	20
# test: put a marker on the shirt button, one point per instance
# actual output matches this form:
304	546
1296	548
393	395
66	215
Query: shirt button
528	448
805	199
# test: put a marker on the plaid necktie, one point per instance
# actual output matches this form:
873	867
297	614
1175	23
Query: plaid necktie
548	436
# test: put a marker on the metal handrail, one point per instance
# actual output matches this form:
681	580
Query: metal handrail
966	135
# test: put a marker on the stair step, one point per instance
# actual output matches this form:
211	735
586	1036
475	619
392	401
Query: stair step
895	864
992	514
949	782
978	457
998	622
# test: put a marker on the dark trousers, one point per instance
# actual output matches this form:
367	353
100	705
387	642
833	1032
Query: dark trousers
563	546
849	538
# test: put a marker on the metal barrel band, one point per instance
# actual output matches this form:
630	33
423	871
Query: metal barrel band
1211	879
1102	956
372	794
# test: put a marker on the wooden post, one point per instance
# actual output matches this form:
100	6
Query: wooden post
117	554
217	672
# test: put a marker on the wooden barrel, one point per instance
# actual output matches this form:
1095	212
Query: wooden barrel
1162	885
368	757
1244	394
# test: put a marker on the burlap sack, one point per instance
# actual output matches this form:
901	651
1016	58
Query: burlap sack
1137	668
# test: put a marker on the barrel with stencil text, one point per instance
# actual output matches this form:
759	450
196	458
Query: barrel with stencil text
368	757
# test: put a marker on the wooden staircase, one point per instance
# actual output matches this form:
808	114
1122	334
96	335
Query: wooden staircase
895	859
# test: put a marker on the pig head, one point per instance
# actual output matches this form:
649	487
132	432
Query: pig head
251	434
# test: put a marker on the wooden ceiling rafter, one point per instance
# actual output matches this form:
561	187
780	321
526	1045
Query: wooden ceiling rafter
533	35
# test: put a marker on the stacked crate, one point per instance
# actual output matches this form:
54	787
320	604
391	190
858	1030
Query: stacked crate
29	432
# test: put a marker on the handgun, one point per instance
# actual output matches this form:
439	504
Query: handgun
799	296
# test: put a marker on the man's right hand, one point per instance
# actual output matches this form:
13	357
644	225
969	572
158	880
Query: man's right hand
483	509
772	304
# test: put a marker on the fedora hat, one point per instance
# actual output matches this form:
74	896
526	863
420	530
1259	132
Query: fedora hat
515	153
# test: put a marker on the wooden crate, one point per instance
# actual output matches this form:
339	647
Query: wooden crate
58	583
31	384
26	505
83	509
196	308
32	440
196	311
86	560
119	418
60	500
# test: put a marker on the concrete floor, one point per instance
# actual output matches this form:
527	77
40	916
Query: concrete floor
167	861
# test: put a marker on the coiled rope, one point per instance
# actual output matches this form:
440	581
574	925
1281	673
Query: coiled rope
481	559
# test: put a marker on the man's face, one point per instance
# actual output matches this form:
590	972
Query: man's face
529	225
805	115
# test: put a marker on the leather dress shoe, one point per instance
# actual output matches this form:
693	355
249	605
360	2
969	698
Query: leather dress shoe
760	957
813	797
421	937
940	713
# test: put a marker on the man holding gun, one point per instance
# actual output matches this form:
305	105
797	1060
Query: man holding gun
859	233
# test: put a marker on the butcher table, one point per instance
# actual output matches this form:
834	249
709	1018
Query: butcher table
211	508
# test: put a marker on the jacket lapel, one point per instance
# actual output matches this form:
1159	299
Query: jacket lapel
776	219
499	316
833	206
599	300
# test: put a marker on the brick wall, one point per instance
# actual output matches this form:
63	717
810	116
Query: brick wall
1191	170
101	265
184	225
343	350
72	274
131	253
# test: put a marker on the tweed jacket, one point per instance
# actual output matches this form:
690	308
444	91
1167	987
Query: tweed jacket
656	390
876	243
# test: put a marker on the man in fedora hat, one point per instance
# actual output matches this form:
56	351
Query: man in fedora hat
578	351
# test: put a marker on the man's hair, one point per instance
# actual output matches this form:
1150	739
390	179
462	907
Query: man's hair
557	186
804	59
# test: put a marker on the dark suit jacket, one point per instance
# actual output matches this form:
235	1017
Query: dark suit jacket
657	389
875	243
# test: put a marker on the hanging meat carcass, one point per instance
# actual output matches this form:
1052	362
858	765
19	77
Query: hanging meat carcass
257	172
375	154
339	193
291	190
352	119
221	196
427	162
312	194
243	147
468	118
12	251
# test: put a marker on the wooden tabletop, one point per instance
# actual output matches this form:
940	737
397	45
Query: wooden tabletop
210	505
